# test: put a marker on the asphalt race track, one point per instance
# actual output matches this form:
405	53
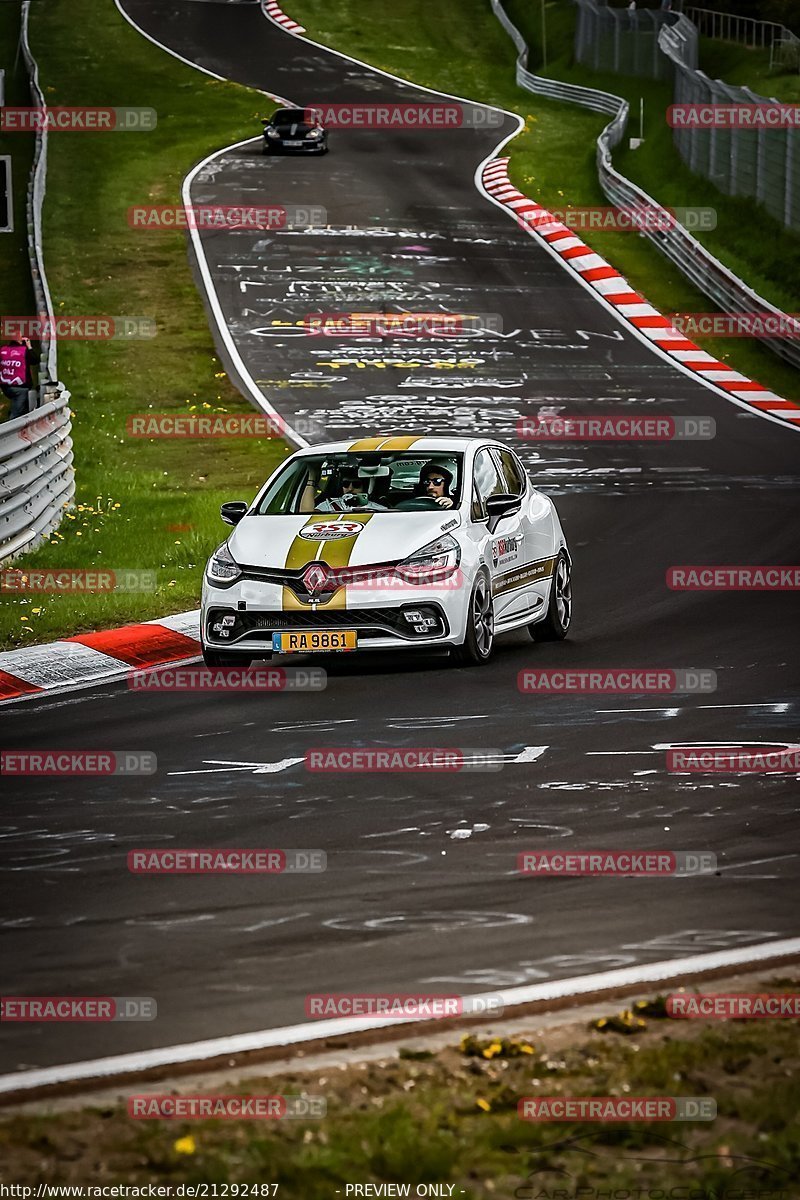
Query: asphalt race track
421	890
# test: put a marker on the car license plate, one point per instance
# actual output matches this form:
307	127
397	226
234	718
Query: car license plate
287	143
314	639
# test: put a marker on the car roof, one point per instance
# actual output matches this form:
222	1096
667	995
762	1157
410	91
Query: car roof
412	442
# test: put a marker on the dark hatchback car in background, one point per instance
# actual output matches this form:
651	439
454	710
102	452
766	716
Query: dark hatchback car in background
294	131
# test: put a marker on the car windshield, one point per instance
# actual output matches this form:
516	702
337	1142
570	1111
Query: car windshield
289	116
365	482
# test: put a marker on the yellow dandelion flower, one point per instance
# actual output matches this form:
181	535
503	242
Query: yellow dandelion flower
484	1104
185	1145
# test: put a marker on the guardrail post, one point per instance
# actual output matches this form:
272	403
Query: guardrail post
788	195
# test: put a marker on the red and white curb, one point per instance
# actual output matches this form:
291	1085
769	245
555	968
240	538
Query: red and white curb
91	658
615	289
276	14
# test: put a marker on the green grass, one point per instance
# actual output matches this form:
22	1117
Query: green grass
141	504
464	50
768	262
748	68
452	1118
153	505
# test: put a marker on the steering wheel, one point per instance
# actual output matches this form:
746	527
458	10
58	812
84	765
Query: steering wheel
417	504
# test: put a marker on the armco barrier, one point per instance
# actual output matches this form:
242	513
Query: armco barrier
697	263
37	480
763	164
48	367
36	475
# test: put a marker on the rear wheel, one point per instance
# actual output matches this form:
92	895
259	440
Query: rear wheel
479	640
218	658
555	626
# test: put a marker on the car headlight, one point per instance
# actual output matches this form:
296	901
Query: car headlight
222	567
431	562
314	135
272	133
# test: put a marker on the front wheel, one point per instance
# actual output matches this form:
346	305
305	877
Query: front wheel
218	658
555	626
479	640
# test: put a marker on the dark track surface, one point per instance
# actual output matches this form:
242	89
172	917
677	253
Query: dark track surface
405	904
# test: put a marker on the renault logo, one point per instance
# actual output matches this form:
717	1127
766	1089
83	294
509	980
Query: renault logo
315	577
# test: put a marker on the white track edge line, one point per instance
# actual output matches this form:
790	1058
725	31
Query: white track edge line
255	392
189	1052
420	87
258	396
698	377
477	180
186	61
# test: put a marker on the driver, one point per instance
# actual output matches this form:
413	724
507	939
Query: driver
435	482
351	497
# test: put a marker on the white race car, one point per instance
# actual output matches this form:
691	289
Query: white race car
388	543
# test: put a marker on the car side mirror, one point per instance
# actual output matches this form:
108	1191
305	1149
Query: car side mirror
501	506
232	511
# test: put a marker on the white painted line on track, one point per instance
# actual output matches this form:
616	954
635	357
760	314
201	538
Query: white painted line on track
756	862
574	267
568	265
186	61
213	300
216	308
291	1035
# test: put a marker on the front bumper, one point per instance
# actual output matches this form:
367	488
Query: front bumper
244	617
277	146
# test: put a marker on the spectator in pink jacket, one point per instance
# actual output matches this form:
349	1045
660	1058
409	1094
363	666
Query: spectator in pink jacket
16	380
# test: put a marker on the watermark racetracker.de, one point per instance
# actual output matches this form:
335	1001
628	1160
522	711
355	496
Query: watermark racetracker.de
78	762
77	1009
617	680
628	863
226	861
611	427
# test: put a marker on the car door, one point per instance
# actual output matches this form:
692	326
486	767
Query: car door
536	558
503	550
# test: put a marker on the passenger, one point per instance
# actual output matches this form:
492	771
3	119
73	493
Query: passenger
350	497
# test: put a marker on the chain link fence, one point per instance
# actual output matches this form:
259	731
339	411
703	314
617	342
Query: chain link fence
783	45
763	163
694	261
618	40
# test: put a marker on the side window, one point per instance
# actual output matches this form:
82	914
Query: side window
512	472
486	482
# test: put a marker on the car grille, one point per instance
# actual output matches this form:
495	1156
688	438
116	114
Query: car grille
369	622
294	579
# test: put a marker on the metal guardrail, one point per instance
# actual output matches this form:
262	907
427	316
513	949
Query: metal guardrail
615	39
36	475
783	45
763	164
694	261
48	365
37	479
